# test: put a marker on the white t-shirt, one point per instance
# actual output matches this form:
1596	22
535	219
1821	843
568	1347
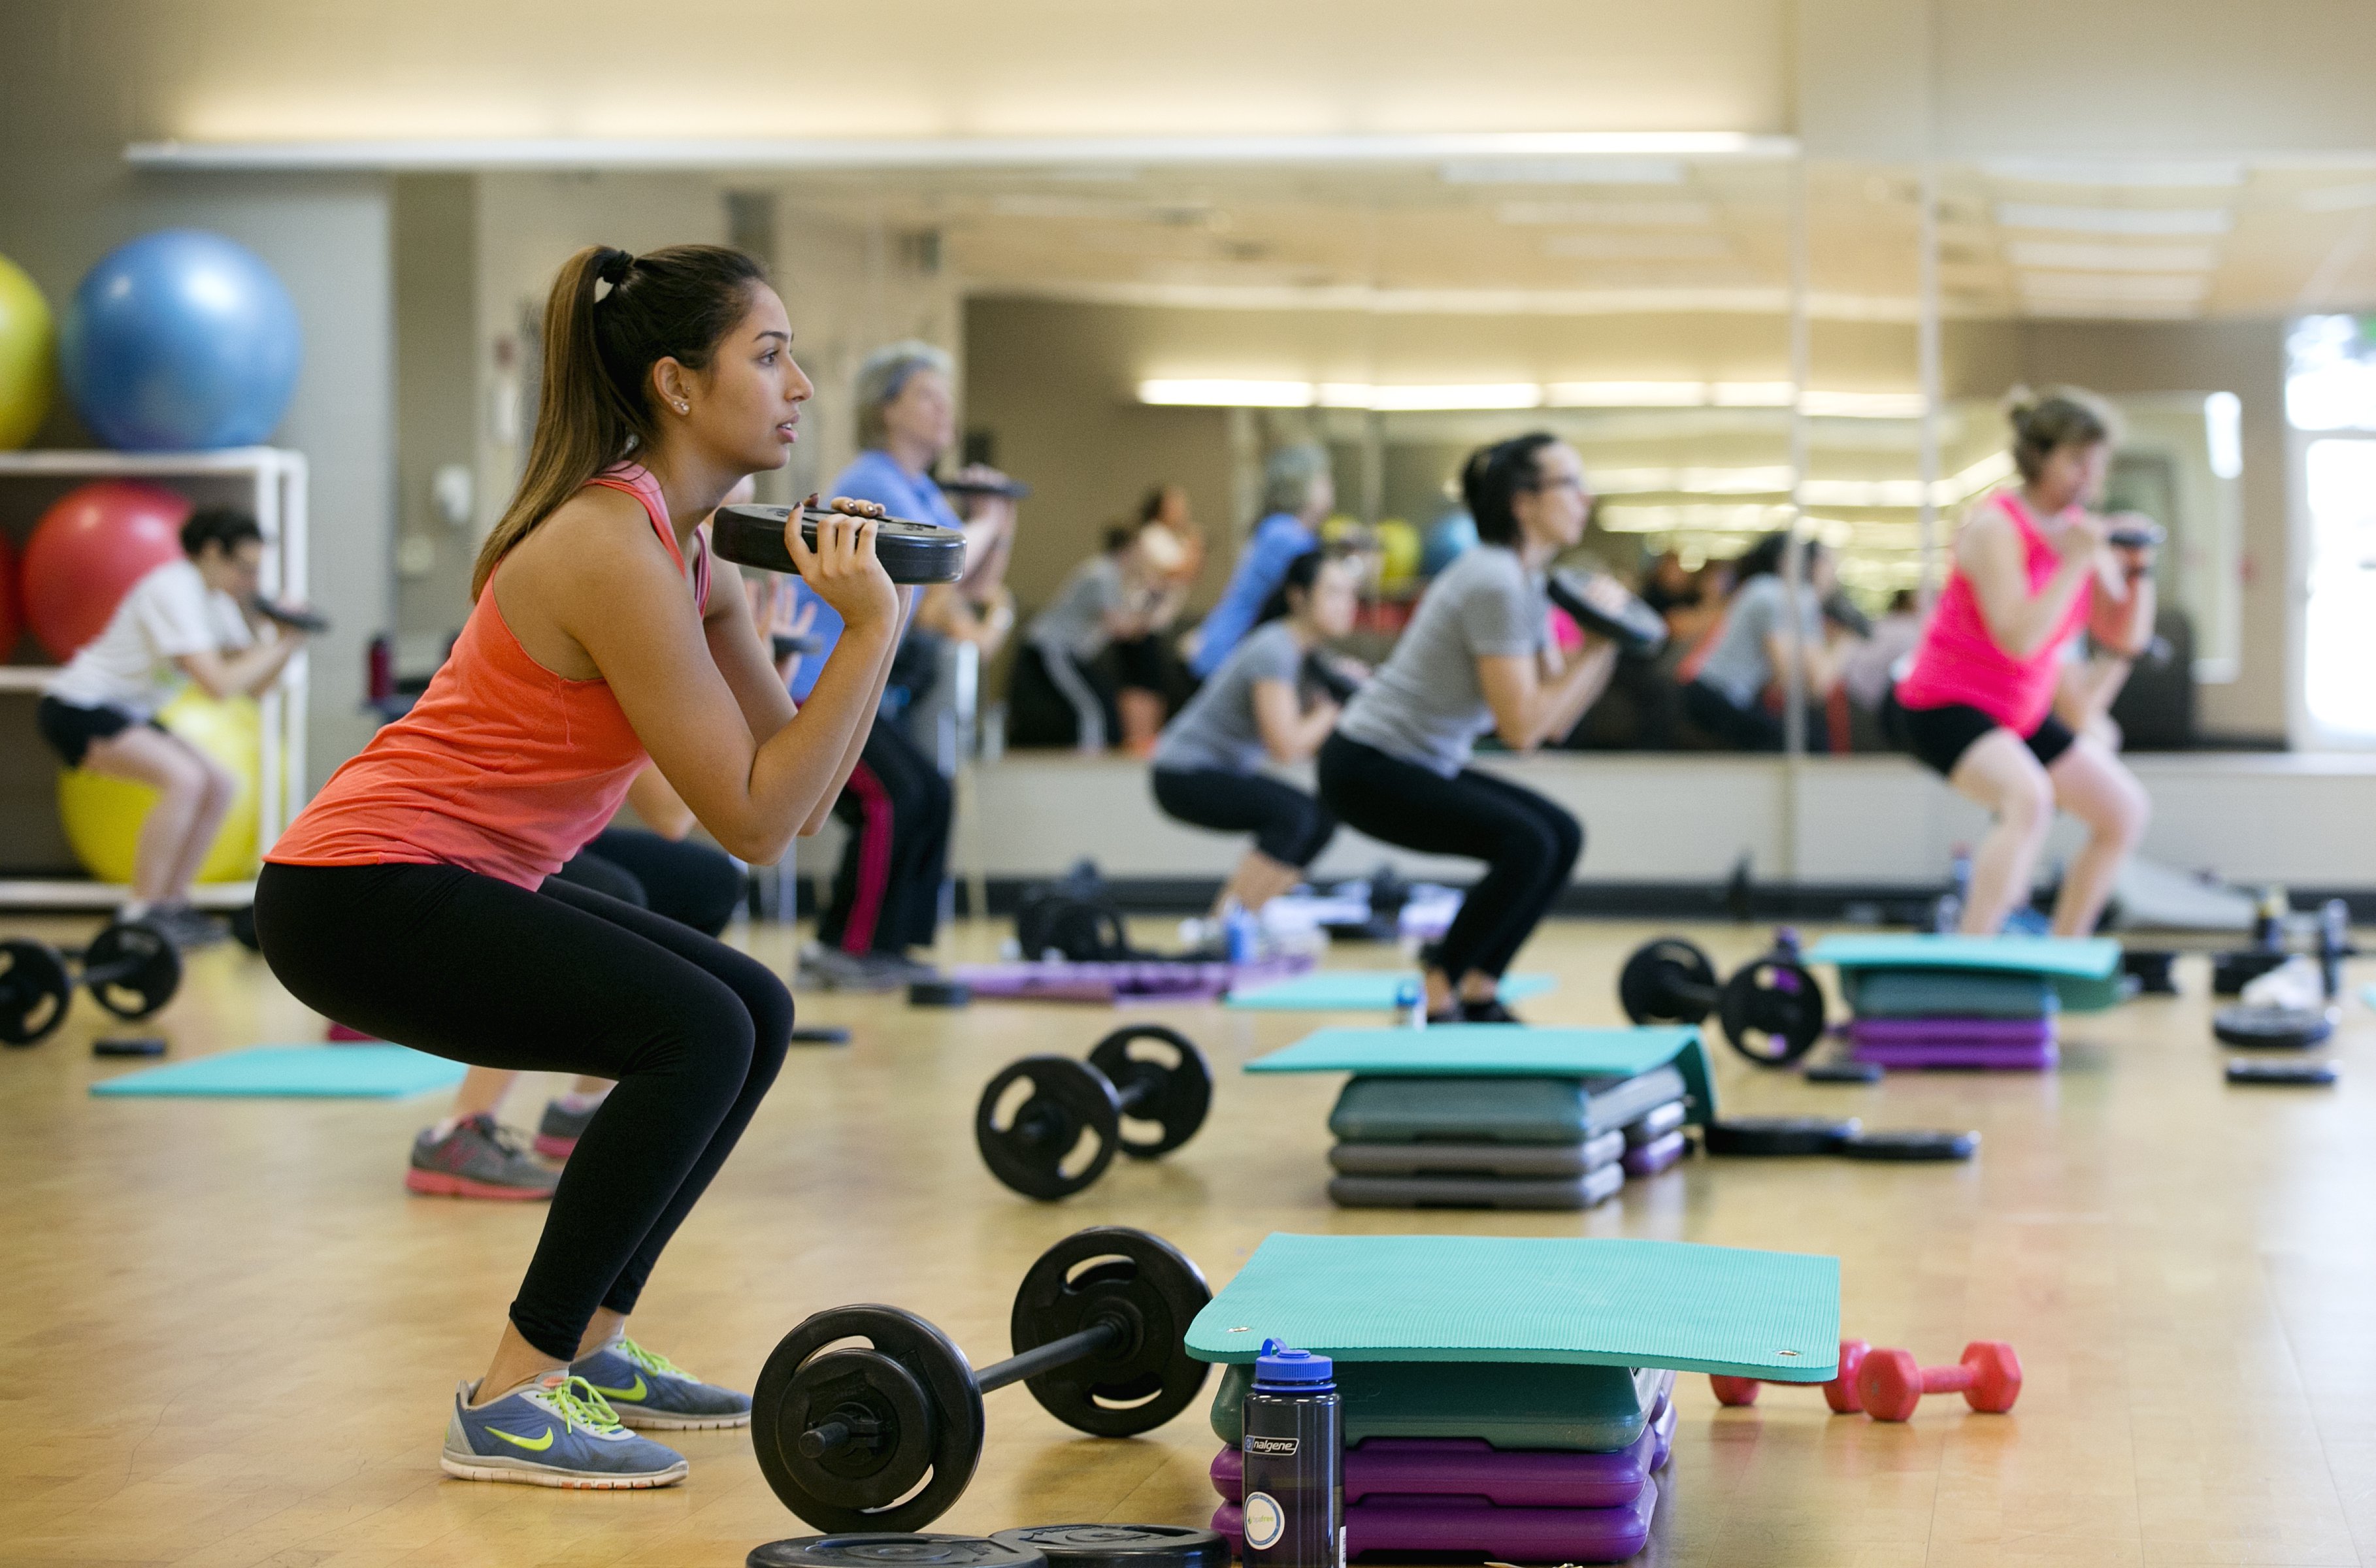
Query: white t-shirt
166	615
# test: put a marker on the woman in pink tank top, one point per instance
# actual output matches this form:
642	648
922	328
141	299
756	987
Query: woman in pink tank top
410	899
2033	568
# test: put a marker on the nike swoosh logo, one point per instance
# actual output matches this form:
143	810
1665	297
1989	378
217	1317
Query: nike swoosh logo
533	1444
634	1391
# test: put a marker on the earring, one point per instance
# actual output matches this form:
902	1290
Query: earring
684	407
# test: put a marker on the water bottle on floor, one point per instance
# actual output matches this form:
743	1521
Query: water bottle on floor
1295	1461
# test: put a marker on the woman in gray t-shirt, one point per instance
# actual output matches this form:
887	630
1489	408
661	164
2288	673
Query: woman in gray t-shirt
1727	698
1476	657
1261	706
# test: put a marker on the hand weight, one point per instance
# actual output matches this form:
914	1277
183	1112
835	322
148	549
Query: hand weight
910	553
1028	1143
130	969
1892	1383
1603	606
885	1434
1771	1009
1840	1394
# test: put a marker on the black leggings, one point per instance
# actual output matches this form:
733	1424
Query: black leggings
691	884
1054	699
1529	844
557	981
1287	825
886	892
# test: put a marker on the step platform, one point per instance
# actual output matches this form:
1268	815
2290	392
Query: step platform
1400	1525
1491	1161
1569	1111
1588	1191
1504	1405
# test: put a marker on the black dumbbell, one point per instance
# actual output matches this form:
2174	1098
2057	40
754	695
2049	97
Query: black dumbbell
1030	1143
910	553
885	1435
1772	1009
1607	608
130	969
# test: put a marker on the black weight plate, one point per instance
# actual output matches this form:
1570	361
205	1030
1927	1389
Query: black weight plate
910	553
1121	1546
884	1401
2272	1028
1666	981
2231	972
1779	1136
811	1373
883	1550
2151	968
131	969
1141	1281
1169	1085
1030	1150
1844	1070
939	993
1605	607
1909	1145
34	991
2280	1072
1772	1011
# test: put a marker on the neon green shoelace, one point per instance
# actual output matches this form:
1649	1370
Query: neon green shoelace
653	1362
578	1400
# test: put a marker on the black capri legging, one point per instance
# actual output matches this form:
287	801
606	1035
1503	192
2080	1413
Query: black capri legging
1529	844
557	981
691	884
1287	825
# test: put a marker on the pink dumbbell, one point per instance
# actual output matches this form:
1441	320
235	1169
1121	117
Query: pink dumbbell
1840	1394
1891	1382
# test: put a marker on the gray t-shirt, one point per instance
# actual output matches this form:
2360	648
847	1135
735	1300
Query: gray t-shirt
1739	665
1218	728
1427	705
1075	619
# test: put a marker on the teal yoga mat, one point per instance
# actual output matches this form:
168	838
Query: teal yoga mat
1566	1299
311	1071
1501	1051
1361	990
2080	958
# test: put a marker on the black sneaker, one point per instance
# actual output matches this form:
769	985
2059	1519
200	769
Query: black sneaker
1491	1012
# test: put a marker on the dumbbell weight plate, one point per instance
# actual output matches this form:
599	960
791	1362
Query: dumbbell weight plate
34	991
884	1550
2272	1028
1772	1011
1777	1137
1174	1094
150	965
910	1378
1650	986
910	553
1908	1145
1121	1546
1035	1148
1603	606
1109	1271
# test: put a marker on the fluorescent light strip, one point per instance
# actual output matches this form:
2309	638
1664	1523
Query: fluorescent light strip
2082	257
2159	222
1609	214
2223	435
1563	171
2141	175
2148	287
939	152
1246	393
2338	198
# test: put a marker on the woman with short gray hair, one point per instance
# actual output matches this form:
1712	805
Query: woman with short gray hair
1299	491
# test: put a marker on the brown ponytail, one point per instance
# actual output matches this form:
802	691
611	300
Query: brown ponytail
2063	417
596	406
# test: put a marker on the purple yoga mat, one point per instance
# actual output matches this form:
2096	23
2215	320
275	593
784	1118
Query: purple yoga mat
1150	980
1509	1535
1953	1032
2002	1058
1655	1155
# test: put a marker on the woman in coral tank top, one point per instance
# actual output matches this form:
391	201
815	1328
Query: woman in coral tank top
2032	569
410	898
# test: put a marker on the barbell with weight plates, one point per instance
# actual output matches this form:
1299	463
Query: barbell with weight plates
1028	1145
910	553
130	969
1772	1009
885	1434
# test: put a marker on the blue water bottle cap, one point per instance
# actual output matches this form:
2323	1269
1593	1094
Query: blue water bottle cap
1279	1364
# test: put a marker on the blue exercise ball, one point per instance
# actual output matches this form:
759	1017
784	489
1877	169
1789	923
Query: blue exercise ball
178	341
1448	538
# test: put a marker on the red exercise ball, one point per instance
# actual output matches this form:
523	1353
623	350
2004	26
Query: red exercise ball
88	548
9	625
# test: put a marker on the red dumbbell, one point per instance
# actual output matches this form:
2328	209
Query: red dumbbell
1840	1394
1891	1382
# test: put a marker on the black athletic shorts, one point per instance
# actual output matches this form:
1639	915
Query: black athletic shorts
1940	736
70	728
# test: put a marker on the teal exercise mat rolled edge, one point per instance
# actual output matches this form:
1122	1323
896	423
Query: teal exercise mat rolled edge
292	1072
2080	958
1501	1051
1601	1302
1361	990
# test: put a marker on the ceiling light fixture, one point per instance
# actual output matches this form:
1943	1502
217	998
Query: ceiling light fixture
2156	222
2080	256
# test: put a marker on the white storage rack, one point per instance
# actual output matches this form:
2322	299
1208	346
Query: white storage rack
278	482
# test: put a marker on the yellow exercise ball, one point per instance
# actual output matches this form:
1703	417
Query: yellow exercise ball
102	816
27	352
1398	552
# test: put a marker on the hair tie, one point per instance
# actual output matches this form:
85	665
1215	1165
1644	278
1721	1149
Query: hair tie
614	266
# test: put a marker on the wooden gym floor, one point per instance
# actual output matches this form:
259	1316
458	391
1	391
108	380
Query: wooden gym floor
231	1335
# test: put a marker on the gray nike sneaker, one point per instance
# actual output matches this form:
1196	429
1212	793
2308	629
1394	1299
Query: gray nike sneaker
648	1390
480	1158
830	969
556	1431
